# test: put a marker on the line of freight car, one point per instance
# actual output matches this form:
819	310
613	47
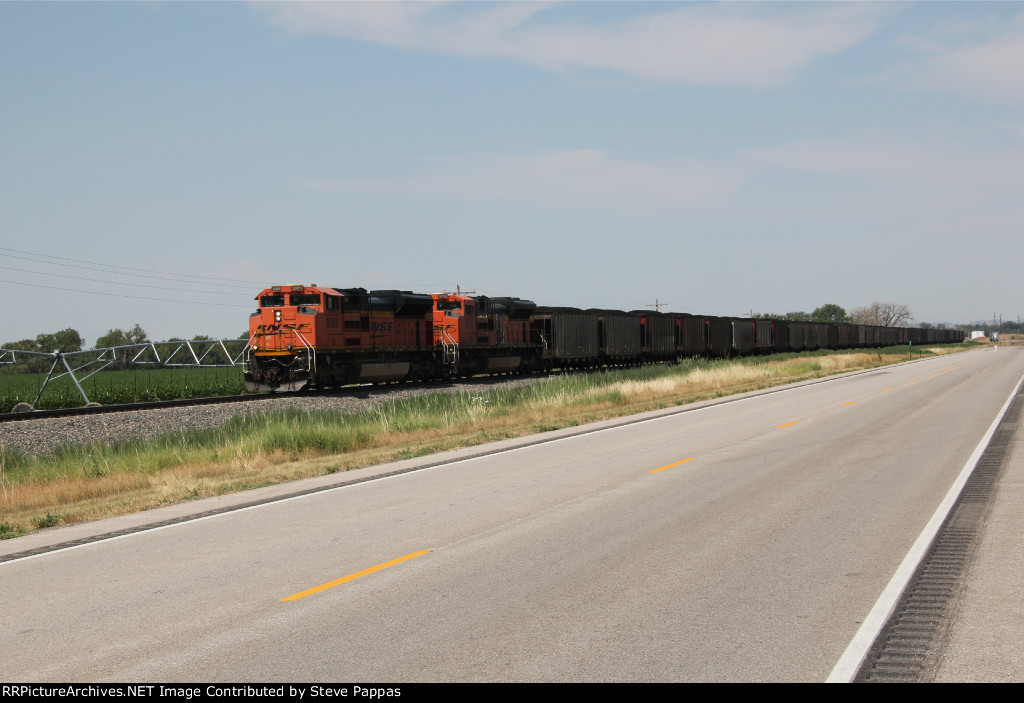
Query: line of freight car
304	336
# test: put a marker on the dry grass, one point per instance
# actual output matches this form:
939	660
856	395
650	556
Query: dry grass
99	482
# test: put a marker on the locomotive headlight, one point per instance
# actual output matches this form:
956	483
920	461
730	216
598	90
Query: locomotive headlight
255	347
289	346
277	316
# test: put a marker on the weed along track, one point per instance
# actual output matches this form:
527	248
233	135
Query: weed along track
74	468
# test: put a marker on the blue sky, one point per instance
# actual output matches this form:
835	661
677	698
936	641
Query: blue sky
722	157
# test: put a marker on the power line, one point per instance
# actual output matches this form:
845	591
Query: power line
78	264
122	296
118	283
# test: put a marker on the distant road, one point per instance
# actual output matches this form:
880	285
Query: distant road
754	553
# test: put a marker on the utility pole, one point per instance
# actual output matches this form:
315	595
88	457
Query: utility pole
657	305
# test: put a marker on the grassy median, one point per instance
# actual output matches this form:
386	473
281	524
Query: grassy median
84	482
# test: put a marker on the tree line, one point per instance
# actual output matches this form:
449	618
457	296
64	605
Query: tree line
881	314
884	315
69	340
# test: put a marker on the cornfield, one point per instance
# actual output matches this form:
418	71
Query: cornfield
113	387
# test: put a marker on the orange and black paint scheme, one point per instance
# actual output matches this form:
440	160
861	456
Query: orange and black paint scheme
312	336
485	335
309	336
303	336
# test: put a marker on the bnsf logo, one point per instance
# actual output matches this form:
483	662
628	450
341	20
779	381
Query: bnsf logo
268	329
382	326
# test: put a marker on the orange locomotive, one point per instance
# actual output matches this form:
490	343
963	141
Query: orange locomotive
312	336
484	335
304	336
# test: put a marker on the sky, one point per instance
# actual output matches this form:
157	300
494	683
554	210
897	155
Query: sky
162	162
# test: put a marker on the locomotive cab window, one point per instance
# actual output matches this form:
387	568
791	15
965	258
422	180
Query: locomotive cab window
332	303
304	299
449	305
271	301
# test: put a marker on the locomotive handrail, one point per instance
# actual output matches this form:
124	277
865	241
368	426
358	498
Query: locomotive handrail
248	351
310	356
543	343
450	346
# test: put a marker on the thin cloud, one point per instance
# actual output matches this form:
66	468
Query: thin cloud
908	175
566	179
974	58
922	174
746	44
888	160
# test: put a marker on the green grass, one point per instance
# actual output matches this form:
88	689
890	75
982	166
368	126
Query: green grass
49	520
295	432
9	530
73	481
113	387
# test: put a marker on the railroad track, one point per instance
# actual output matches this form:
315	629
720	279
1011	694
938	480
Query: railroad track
96	409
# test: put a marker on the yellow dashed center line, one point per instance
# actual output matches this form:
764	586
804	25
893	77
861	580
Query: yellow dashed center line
886	389
353	577
669	466
788	424
850	403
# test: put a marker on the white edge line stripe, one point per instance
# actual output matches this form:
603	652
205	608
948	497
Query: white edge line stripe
429	468
848	664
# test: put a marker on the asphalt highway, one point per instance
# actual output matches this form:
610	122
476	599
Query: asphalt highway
734	541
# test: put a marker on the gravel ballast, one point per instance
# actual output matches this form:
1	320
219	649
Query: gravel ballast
44	435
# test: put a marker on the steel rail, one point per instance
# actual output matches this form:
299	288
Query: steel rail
354	390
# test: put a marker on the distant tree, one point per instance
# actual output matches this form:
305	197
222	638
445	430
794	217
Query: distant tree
883	314
796	315
22	345
67	340
138	335
122	338
867	315
830	312
30	364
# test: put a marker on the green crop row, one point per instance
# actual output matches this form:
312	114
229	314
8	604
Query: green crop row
113	387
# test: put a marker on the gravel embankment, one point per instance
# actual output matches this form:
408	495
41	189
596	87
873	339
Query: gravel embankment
42	436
